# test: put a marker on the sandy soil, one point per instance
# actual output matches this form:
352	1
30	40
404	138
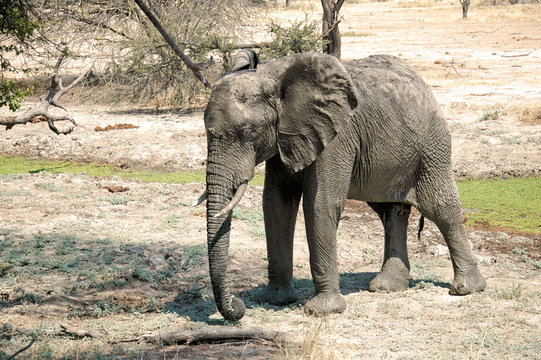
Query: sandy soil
134	262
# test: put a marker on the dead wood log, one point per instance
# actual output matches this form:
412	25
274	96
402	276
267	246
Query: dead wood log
195	68
223	334
65	330
56	90
75	332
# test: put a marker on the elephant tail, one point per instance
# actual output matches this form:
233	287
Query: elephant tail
421	226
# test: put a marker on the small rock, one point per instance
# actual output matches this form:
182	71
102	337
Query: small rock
441	250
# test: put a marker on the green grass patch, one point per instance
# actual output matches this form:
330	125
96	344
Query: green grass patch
513	203
20	165
357	34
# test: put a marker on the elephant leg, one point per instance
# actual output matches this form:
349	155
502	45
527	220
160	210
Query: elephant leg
281	197
394	274
441	204
322	205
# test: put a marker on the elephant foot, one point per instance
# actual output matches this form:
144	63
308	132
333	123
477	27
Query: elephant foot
324	304
275	295
467	283
394	276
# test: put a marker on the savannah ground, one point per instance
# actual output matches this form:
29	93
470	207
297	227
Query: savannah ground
134	262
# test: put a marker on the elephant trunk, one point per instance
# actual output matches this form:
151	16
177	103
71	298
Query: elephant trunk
220	193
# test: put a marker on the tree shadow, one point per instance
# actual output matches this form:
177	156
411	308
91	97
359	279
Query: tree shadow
422	283
98	276
355	282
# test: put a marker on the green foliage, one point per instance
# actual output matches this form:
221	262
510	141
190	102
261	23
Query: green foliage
12	95
508	203
17	23
15	19
149	71
298	37
357	34
490	114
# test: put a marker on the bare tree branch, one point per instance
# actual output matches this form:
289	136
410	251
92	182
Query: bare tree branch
101	25
56	91
189	63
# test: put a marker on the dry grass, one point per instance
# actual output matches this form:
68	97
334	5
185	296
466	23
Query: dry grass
529	114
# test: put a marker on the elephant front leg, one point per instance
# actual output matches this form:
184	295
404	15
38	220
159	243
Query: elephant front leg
281	197
394	274
322	214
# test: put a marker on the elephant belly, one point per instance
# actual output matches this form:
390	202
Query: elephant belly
386	184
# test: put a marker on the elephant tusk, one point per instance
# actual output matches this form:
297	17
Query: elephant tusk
236	199
202	198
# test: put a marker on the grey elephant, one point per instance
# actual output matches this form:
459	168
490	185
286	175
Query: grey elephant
370	131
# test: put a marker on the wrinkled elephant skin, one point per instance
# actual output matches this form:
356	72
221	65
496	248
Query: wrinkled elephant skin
369	131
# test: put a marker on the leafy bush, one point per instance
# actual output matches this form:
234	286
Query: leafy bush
17	24
145	69
297	37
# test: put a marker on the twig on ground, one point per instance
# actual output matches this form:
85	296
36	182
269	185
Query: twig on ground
453	66
23	349
481	31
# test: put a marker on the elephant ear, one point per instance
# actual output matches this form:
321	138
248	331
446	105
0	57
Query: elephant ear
315	100
244	59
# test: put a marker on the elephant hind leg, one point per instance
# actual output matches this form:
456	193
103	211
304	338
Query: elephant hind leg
394	274
440	203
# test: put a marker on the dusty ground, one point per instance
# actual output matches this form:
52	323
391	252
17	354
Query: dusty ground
134	262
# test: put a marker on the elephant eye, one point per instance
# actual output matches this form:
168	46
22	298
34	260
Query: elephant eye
246	134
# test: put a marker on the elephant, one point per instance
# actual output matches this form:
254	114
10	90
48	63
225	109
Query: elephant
369	130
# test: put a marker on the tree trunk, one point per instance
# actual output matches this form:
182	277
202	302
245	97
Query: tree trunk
330	31
465	6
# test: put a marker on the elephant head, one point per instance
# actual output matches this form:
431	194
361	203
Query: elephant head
292	107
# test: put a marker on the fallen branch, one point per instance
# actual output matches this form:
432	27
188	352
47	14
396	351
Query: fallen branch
517	55
195	68
65	330
56	91
481	31
75	332
215	335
